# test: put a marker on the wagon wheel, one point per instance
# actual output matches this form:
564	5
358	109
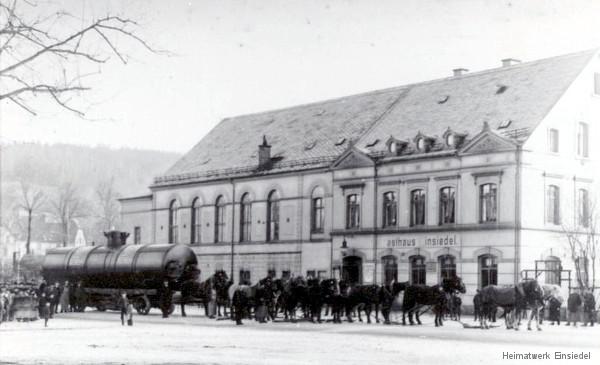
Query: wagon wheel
142	305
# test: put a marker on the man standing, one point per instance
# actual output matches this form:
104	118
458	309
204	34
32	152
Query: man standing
589	306
64	298
44	308
123	306
573	306
166	299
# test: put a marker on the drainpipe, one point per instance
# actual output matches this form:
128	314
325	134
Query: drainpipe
376	223
232	224
518	183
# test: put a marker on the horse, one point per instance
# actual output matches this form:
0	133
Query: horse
245	298
364	298
387	295
223	297
453	308
492	297
294	293
529	295
419	296
478	309
193	291
331	294
314	299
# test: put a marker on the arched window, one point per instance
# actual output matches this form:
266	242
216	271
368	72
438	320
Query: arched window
195	222
245	218
417	269
390	209
273	216
488	202
173	228
447	205
390	269
316	221
583	207
417	207
447	266
553	204
488	270
553	269
352	211
220	219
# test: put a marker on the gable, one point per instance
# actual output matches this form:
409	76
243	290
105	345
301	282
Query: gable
352	158
488	141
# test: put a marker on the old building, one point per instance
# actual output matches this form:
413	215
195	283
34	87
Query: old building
478	174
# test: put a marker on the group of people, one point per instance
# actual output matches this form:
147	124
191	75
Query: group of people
576	301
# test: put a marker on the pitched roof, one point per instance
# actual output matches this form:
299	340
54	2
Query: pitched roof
314	135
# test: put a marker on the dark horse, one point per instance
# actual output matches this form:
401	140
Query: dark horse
193	291
511	299
246	298
364	298
293	293
417	297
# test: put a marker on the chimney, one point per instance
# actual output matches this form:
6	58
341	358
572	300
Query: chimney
115	239
264	154
507	62
459	71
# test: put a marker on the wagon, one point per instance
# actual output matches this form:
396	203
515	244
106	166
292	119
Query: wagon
25	308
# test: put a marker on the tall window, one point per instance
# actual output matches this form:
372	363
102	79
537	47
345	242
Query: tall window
553	140
390	269
245	218
390	209
173	228
195	222
220	219
447	266
137	235
317	215
553	268
553	204
273	217
488	270
583	208
417	207
417	270
488	203
582	140
447	207
352	211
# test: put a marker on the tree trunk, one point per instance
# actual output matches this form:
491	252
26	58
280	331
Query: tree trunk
28	244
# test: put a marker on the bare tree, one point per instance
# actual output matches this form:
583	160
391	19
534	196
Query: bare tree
39	58
108	207
582	239
31	200
66	206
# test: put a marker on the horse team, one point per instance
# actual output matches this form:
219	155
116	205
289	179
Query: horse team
270	297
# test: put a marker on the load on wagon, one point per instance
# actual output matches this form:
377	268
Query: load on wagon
149	274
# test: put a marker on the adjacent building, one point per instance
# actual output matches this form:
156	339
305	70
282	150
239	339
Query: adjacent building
479	174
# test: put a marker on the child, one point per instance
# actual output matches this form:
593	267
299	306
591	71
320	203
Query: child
130	314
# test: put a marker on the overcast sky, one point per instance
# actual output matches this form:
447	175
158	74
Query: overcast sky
237	57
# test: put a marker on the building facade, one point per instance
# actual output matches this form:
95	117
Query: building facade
482	175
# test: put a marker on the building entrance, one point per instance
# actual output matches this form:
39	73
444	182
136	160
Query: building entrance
352	269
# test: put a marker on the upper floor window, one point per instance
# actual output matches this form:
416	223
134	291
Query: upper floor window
245	218
488	202
220	219
173	227
317	215
553	140
390	209
352	211
597	83
273	216
195	221
553	204
417	207
583	208
582	140
447	205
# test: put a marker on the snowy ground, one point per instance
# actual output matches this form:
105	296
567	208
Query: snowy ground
94	337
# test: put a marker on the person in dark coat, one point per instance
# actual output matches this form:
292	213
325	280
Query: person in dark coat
166	298
554	304
55	299
123	307
44	308
573	306
589	306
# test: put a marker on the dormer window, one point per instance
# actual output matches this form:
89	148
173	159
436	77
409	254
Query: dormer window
453	139
450	139
395	146
423	142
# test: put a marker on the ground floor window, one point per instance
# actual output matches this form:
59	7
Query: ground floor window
245	277
488	270
390	269
417	270
447	266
